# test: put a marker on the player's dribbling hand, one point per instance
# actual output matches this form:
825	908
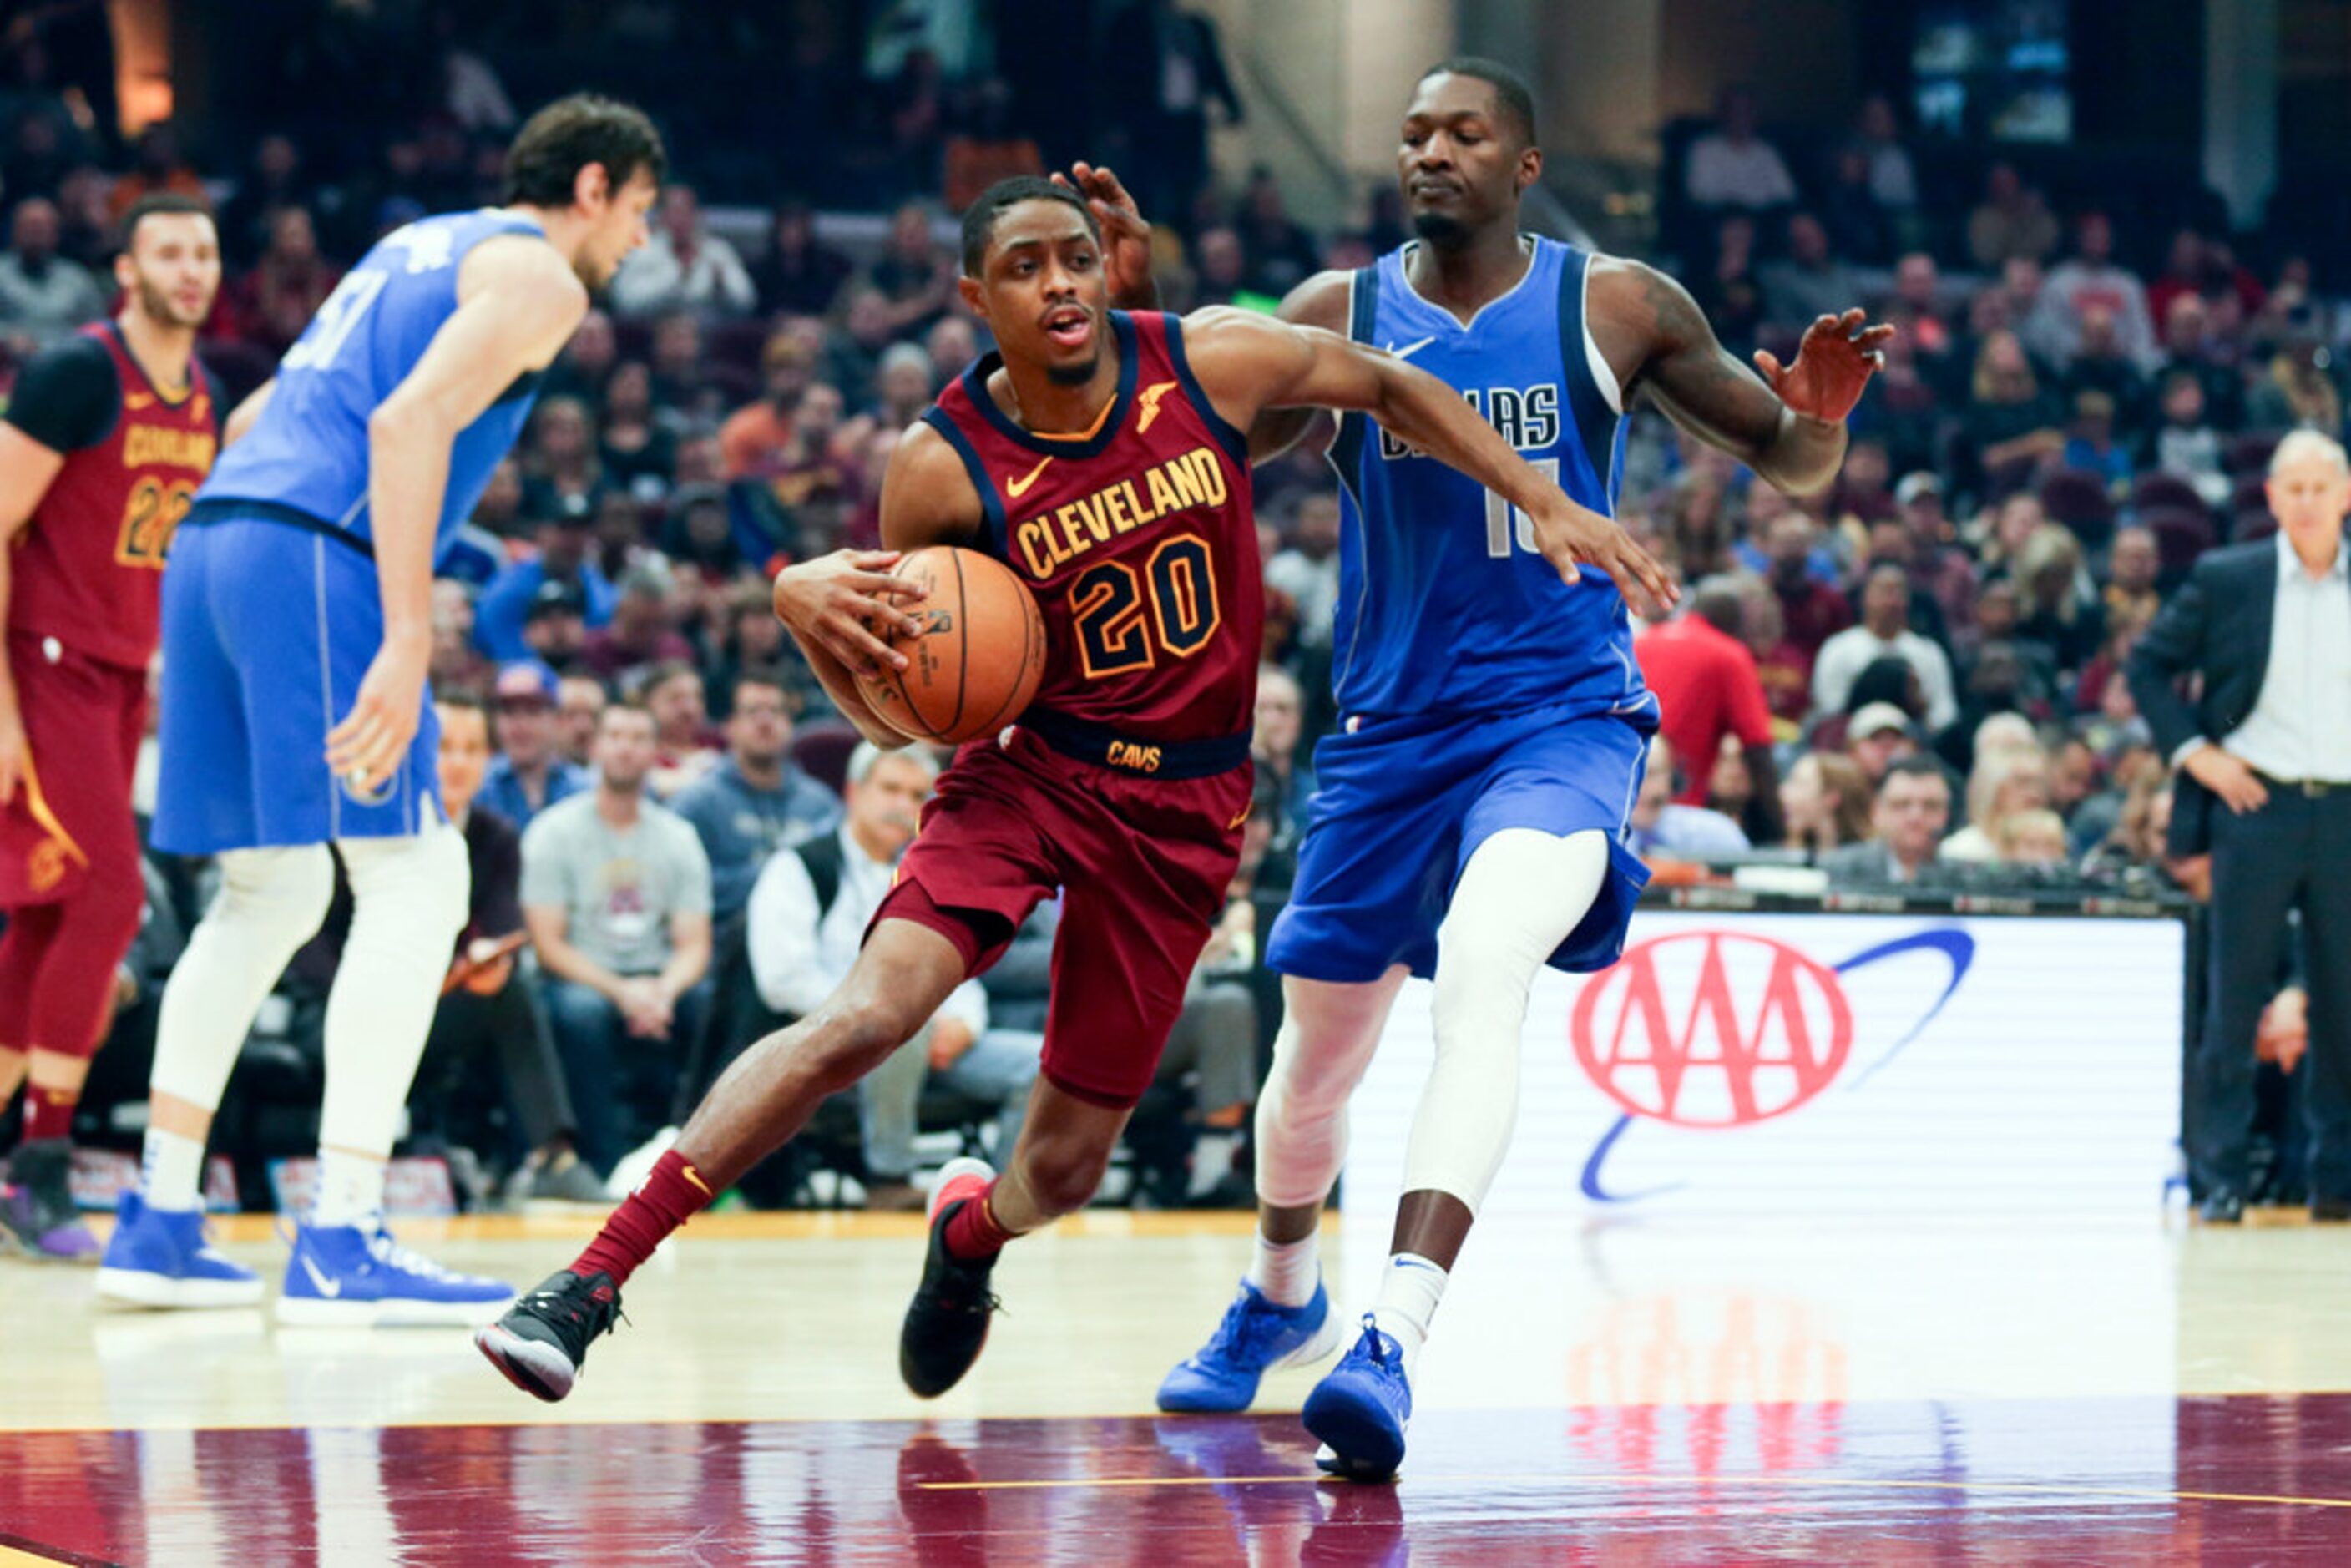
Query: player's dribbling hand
1572	538
1126	237
366	748
838	601
1834	363
13	750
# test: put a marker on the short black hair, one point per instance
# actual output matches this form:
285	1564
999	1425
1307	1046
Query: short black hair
1512	96
565	136
980	218
771	676
465	697
1917	765
175	203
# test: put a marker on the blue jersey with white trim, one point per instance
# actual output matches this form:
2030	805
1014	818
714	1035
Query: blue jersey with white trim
309	450
1443	602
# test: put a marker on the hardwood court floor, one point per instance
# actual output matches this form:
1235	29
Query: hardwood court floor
1652	1392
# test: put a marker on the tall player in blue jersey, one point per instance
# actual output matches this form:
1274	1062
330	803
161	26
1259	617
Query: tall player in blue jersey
294	715
1473	804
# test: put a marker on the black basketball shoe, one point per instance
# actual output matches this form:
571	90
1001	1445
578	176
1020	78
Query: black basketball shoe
542	1341
947	1322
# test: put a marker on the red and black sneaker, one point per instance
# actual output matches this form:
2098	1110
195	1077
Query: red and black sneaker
541	1342
947	1322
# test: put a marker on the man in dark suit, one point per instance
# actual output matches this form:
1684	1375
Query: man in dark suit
2264	754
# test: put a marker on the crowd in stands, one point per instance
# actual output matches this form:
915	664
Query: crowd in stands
1915	676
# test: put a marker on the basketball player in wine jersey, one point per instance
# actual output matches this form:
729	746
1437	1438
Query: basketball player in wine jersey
1470	821
1101	455
108	435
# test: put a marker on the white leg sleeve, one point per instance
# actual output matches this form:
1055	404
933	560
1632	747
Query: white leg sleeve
1522	895
270	902
1327	1036
408	903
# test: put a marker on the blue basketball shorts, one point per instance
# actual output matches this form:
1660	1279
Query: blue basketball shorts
1402	805
268	631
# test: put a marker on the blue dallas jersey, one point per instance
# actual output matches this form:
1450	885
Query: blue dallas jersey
309	451
1444	603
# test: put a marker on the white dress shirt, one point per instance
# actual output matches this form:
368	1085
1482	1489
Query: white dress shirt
2300	728
798	959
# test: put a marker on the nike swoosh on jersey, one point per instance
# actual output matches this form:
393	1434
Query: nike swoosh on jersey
1016	488
1409	349
328	1288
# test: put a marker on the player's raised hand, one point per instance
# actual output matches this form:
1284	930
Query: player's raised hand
366	748
1571	538
841	601
1834	363
1126	236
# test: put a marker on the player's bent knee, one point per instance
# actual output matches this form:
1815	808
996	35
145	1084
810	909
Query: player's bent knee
854	1037
1063	1172
283	893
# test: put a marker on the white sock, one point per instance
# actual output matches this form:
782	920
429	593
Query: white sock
1285	1272
172	1172
1409	1291
350	1190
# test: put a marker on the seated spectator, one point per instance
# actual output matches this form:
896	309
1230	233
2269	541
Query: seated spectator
616	895
637	452
273	304
1884	632
1731	166
2007	778
1709	689
2090	280
555	627
800	274
43	296
1280	718
757	800
457	665
1859	228
853	349
2010	418
561	476
2190	347
156	170
953	346
580	704
529	774
643	630
1213	1048
1812	611
1661	828
561	562
902	380
586	363
1730	292
2056	608
807	919
916	276
487	1012
1877	135
1810	282
751	638
1876	736
2090	443
684	388
1825	802
1938	566
2132	563
2297	389
698	537
2185	445
2031	839
1918	293
1220	266
2012	221
685	747
683	265
1307	569
1912	809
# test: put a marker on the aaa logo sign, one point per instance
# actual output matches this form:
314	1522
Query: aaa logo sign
1713	1029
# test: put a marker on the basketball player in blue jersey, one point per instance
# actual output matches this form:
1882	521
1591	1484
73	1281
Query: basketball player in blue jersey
294	714
1473	803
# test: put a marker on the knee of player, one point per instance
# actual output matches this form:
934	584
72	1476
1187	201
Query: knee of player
291	886
857	1034
1063	1170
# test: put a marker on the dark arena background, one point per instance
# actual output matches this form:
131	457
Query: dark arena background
1951	1169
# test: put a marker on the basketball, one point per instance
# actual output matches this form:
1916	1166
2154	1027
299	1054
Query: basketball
977	659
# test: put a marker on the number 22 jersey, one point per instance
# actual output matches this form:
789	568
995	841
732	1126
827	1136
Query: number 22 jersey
1138	539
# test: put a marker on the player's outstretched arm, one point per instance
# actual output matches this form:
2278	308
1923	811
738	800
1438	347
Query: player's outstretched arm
839	608
1249	363
1787	424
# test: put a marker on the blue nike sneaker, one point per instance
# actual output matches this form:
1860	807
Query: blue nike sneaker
347	1276
1257	1336
159	1258
1360	1409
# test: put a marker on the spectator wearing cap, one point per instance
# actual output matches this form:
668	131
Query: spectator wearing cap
562	563
1876	736
1884	632
684	266
1937	567
1664	827
1731	166
643	629
1912	809
555	627
1707	687
756	800
529	774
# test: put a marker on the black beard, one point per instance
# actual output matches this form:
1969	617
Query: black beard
1072	375
1444	232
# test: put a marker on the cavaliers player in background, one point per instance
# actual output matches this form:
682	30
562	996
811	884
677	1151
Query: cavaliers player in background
1101	455
106	438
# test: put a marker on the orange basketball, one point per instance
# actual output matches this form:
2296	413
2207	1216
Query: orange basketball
977	659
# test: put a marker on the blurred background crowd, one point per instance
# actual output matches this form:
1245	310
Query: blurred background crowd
1913	679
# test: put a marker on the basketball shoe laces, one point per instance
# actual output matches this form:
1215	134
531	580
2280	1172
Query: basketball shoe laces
1247	1333
584	1310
